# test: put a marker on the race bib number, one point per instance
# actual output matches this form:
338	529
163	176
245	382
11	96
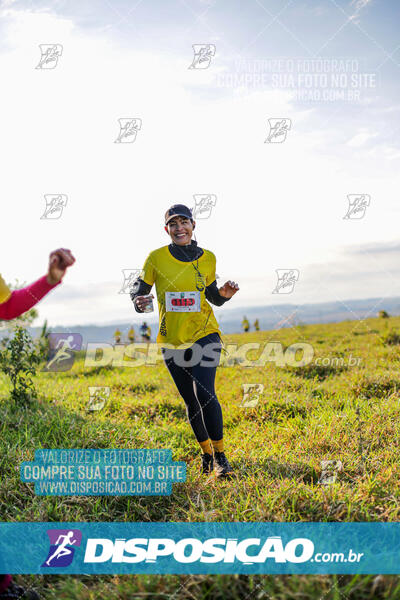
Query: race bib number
182	301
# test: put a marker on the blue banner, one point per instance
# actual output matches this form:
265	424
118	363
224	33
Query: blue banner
190	548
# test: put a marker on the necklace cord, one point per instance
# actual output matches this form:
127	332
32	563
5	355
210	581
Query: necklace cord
200	275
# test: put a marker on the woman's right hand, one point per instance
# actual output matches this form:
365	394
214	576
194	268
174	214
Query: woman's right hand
142	301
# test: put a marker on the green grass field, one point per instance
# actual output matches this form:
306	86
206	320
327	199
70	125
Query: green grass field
305	415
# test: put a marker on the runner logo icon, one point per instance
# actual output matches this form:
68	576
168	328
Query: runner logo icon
62	349
61	552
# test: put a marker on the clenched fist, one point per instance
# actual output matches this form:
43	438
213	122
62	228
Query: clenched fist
59	262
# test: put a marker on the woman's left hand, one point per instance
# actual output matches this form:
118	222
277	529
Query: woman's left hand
59	261
228	289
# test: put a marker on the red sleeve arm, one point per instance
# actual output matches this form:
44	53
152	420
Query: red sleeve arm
5	581
22	300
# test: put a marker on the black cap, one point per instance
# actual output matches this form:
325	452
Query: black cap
178	210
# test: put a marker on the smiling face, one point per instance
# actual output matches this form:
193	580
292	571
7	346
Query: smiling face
180	229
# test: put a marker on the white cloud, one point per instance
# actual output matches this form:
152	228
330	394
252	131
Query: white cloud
384	152
361	138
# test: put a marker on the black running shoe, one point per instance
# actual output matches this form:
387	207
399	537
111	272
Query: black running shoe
208	462
222	466
16	592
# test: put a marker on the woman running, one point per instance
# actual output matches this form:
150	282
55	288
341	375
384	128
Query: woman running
13	304
184	275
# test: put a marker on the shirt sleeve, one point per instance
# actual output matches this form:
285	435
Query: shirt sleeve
211	292
5	292
213	295
22	300
149	272
210	277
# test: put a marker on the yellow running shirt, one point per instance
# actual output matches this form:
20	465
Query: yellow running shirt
185	314
5	292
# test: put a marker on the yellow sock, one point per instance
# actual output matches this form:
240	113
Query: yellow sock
218	445
206	446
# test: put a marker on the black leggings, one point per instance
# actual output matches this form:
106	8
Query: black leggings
196	385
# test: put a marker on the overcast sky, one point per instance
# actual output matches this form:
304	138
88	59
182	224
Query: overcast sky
279	205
